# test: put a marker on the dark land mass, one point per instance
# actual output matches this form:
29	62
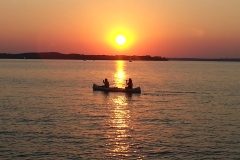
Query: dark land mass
206	59
56	55
75	56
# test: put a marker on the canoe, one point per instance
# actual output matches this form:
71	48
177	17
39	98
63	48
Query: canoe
115	89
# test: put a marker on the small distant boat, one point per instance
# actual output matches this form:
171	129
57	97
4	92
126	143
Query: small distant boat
130	59
115	89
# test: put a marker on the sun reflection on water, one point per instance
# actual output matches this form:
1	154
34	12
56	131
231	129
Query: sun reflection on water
120	113
120	121
120	75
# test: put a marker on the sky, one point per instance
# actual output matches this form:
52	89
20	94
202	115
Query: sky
167	28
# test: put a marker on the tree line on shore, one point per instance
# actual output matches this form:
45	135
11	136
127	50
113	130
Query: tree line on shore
72	56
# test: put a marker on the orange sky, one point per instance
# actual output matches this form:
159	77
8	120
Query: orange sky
176	28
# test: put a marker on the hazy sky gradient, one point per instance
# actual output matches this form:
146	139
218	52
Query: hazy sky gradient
169	28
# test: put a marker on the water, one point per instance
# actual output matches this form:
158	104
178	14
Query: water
187	110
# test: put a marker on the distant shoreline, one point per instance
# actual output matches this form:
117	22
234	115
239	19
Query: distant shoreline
206	59
74	56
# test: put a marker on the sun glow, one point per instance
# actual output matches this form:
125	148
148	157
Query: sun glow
121	40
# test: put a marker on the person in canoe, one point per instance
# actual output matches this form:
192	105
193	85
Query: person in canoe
129	84
106	83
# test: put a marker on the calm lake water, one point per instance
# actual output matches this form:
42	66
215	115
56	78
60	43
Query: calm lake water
187	110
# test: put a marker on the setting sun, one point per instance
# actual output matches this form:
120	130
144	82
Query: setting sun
121	40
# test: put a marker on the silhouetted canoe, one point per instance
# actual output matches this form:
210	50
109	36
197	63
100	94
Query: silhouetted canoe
115	89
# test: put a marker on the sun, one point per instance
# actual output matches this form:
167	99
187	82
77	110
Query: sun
121	40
